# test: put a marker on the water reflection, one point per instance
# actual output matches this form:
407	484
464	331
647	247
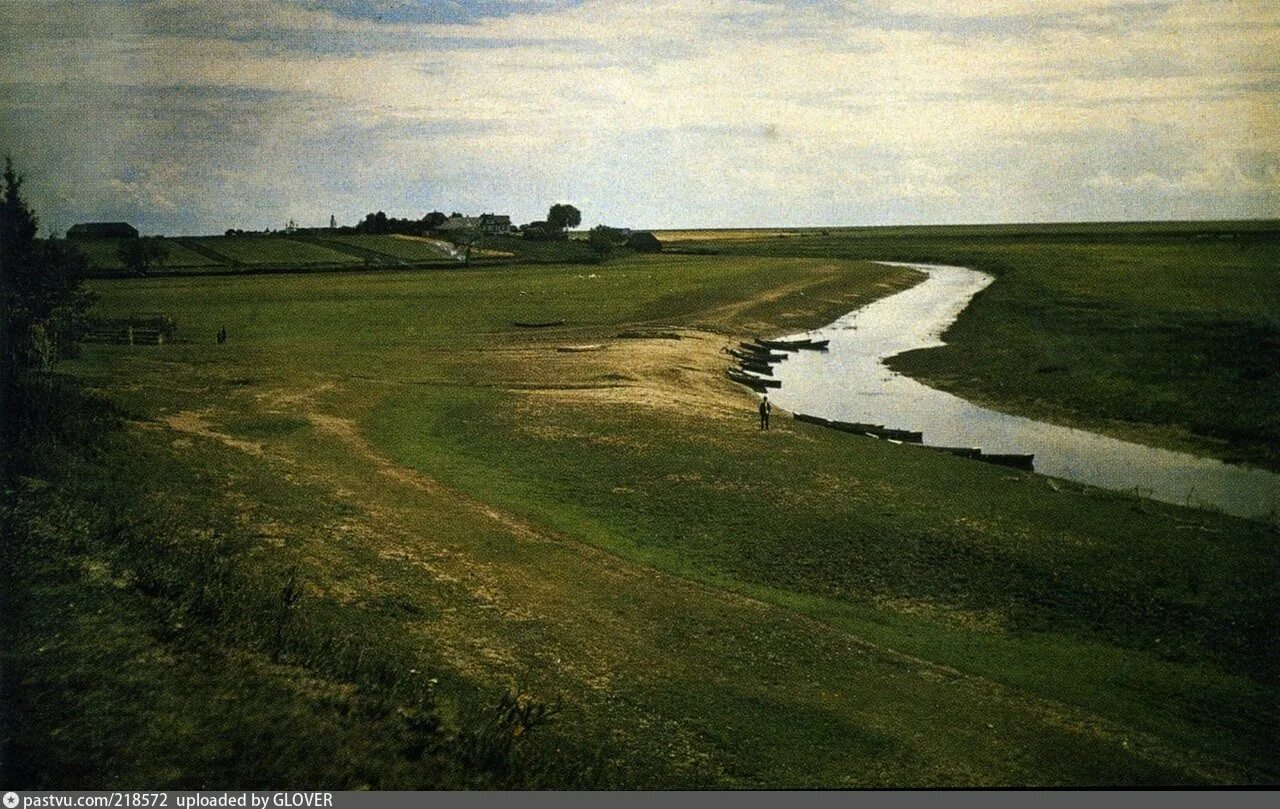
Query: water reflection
851	383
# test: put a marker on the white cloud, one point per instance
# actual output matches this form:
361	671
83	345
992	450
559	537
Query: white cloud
873	115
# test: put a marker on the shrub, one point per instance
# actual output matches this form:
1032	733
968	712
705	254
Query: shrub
644	242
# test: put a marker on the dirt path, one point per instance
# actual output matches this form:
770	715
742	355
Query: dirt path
734	311
195	422
345	431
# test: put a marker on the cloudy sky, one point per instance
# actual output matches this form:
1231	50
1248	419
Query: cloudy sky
192	117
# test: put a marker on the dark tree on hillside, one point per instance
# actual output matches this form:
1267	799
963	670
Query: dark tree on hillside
536	231
375	223
561	217
644	242
140	255
41	287
434	220
600	241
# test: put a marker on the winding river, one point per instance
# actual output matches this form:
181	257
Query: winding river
850	382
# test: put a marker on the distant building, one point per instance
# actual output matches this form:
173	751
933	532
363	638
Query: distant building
495	223
488	223
455	223
102	230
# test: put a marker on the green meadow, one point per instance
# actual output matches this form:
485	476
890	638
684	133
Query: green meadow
404	533
280	252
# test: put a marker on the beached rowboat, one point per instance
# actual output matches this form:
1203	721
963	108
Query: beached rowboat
802	344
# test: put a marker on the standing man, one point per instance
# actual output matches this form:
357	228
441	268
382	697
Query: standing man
765	410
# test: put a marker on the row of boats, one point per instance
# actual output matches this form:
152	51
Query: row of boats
755	370
757	358
1010	459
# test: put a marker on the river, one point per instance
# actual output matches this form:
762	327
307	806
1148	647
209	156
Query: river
850	382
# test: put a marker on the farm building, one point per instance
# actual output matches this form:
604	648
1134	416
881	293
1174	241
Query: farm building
495	223
485	223
102	230
455	223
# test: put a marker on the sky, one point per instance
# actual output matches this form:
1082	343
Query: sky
194	117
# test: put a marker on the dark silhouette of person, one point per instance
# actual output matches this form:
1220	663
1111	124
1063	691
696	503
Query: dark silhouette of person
765	410
222	335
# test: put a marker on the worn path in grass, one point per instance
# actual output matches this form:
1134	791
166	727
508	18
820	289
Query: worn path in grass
608	528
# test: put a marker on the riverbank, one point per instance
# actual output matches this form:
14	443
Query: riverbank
1158	333
851	382
730	607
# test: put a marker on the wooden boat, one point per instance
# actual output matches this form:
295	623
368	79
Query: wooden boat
960	452
760	355
805	417
752	381
758	349
856	427
756	368
770	345
1014	460
861	428
842	426
543	324
906	436
755	384
793	345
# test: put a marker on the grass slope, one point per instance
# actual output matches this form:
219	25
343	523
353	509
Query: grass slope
404	248
303	252
254	250
103	254
607	529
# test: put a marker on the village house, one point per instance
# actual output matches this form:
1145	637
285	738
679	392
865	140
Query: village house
488	223
495	223
102	230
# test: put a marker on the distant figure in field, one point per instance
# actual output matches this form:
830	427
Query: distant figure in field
222	335
765	410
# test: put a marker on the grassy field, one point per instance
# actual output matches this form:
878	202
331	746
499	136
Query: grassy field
276	252
1164	333
254	250
103	254
604	530
404	248
569	250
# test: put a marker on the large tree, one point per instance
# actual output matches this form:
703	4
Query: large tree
561	217
139	255
375	223
600	241
41	284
